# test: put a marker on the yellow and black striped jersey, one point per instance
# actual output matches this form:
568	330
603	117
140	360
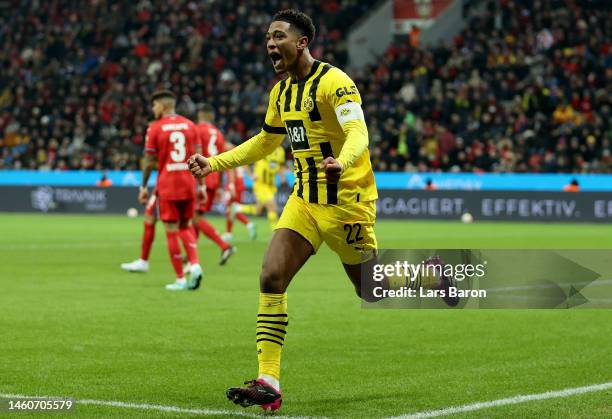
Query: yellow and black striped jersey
265	170
306	111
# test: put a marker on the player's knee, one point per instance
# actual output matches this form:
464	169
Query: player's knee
171	226
271	280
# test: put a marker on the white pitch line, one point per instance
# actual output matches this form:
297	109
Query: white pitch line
503	402
160	408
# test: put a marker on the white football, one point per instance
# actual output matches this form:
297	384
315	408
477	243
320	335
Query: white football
132	212
467	218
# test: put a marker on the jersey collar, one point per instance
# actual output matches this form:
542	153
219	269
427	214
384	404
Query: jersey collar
313	70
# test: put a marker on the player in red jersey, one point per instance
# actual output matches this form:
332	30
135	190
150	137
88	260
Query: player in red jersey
234	189
212	143
151	215
170	141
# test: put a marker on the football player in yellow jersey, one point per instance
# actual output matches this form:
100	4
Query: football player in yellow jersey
264	186
333	201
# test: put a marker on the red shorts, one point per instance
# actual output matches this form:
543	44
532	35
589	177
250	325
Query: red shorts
206	206
151	206
174	211
213	180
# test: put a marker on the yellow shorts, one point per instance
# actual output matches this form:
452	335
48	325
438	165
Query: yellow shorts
347	229
263	193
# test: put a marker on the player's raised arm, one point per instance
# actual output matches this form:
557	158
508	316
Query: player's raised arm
344	98
253	149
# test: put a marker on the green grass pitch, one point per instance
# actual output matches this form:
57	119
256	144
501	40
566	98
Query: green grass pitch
72	324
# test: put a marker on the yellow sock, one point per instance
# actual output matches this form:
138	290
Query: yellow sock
272	324
248	209
272	218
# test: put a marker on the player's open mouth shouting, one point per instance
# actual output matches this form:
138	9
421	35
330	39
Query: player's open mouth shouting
277	60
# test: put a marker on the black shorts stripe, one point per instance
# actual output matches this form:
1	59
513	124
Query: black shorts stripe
300	190
271	322
273	315
282	338
332	189
280	92
273	328
288	99
269	340
313	187
314	113
274	130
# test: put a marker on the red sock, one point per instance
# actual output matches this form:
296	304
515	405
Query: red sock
242	218
210	232
147	240
174	249
229	223
190	245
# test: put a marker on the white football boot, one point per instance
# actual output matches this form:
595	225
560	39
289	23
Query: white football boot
138	265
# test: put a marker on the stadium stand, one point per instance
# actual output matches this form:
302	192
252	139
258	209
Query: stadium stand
525	88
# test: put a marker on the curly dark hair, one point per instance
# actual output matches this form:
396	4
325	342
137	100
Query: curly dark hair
298	20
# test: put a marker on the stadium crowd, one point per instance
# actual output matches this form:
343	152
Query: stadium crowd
76	77
526	87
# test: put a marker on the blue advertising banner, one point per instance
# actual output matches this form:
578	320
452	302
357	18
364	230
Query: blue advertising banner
384	180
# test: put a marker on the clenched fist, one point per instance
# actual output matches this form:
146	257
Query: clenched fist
333	170
199	166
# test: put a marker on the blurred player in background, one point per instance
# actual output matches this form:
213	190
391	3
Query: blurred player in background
333	201
148	236
264	186
169	142
233	195
212	143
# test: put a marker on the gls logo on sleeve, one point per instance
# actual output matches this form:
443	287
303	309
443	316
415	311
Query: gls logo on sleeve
342	91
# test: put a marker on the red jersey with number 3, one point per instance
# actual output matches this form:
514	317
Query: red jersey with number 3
213	143
172	139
